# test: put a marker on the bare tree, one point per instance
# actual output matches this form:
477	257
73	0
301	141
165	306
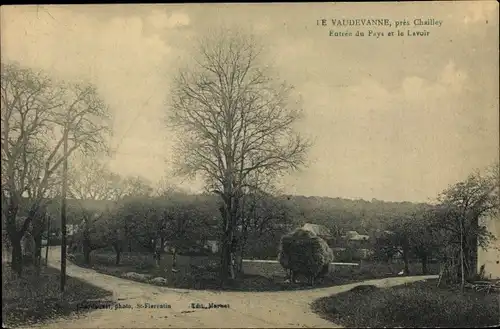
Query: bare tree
259	211
92	179
165	187
89	180
233	120
96	230
37	115
136	186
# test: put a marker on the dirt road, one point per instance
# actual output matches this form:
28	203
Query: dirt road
250	310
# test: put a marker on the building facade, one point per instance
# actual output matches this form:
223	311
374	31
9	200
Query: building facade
490	258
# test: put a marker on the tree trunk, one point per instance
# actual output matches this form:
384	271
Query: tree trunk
462	269
86	252
15	237
38	251
239	262
174	258
473	262
47	244
157	251
311	280
462	258
243	245
466	255
229	212
17	256
423	258
47	253
406	259
235	239
225	245
118	251
470	250
226	256
244	234
39	224
158	258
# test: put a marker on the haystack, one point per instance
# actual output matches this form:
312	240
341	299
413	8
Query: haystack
303	252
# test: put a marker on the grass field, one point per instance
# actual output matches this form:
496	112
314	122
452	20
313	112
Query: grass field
202	272
32	299
419	304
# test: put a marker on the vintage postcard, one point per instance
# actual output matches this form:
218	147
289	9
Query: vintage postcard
250	165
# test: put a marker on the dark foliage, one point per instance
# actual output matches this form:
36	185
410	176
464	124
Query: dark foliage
416	305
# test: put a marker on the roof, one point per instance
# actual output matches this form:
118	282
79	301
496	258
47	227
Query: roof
360	237
355	236
319	230
284	226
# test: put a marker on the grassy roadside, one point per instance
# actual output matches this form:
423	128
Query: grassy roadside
34	299
419	304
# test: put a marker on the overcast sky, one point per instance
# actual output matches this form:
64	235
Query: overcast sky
394	118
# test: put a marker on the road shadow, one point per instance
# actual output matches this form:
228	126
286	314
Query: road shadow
35	298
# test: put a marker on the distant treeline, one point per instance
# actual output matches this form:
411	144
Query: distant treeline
337	214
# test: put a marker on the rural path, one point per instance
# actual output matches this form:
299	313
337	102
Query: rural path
247	309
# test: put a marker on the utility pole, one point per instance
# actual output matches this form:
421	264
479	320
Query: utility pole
48	239
462	283
63	208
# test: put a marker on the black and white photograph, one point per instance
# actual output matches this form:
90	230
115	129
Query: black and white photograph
250	165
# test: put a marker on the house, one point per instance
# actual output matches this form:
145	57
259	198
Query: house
212	245
365	253
71	229
283	226
490	258
320	230
355	236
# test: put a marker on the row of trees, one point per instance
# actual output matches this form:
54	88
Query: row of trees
38	113
151	223
129	214
176	219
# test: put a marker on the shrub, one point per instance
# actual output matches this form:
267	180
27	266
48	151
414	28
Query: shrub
303	252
